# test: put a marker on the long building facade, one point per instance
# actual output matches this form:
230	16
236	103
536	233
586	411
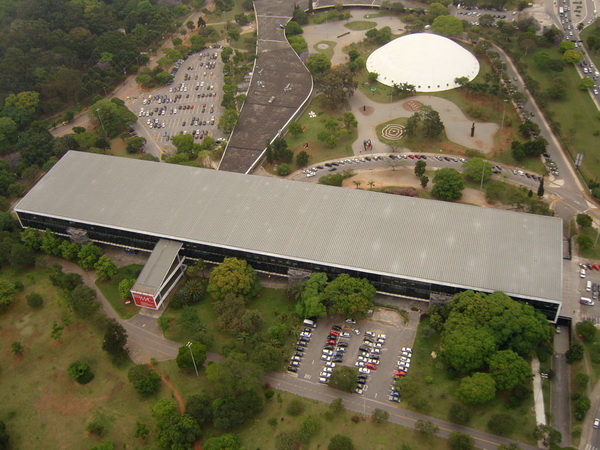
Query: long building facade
405	246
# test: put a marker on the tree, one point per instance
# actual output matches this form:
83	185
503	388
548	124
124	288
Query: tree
163	408
283	169
502	424
184	356
4	436
336	86
228	120
135	143
351	297
233	276
587	330
83	301
426	429
528	128
420	168
89	255
293	28
105	268
309	426
302	159
586	83
295	128
432	124
461	441
572	56
466	348
312	298
340	442
379	416
508	369
540	191
476	168
141	431
584	220
233	376
80	372
21	257
199	407
7	293
343	378
548	435
17	348
477	389
115	340
31	238
35	300
585	242
227	441
460	413
349	120
177	431
145	380
49	243
447	184
447	26
125	286
424	181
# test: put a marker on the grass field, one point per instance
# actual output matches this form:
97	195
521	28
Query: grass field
110	289
359	25
577	113
41	405
246	42
316	150
259	434
226	16
439	394
594	252
325	51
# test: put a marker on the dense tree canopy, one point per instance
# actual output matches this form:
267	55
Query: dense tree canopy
233	276
477	389
508	369
351	297
447	184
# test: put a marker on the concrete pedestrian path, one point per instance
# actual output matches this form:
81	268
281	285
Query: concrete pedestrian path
538	393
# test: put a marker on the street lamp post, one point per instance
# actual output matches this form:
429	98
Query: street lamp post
189	345
503	112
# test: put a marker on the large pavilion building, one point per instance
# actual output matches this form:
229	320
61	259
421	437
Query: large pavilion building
411	247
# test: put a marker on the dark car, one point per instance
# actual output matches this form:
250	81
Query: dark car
368	339
343	344
304	339
329	347
299	349
336	328
292	369
300	354
301	344
364	348
338	359
361	381
374	356
332	337
362	376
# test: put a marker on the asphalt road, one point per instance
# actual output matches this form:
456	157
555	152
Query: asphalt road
364	405
561	404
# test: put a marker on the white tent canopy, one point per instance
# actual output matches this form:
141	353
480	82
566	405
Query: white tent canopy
429	62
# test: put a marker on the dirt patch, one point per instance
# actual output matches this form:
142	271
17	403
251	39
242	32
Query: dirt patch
412	105
67	405
387	316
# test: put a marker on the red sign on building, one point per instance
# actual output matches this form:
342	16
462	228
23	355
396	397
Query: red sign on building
144	300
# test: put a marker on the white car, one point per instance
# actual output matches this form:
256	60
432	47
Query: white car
378	345
356	331
407	349
326	358
323	380
351	321
324	374
382	336
305	334
327	352
405	359
364	370
296	358
327	369
408	354
369	333
596	423
359	364
359	391
376	351
345	334
330	364
404	365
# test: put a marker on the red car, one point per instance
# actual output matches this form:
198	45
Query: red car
595	267
334	333
330	342
411	156
371	366
399	373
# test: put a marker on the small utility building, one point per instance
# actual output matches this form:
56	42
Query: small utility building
412	247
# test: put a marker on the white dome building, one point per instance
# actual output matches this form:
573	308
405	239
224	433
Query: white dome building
428	61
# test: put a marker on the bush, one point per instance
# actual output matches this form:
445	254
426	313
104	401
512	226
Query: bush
35	300
502	424
582	380
283	170
80	372
296	407
269	393
340	442
460	441
95	427
587	330
145	380
581	407
379	416
575	353
460	414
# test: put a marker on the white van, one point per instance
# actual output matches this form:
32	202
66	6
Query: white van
310	323
586	301
588	286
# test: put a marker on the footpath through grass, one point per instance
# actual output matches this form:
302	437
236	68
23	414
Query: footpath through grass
437	390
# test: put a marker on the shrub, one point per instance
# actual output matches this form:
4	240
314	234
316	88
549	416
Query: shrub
145	380
272	421
582	380
269	393
587	330
35	300
460	414
460	441
502	424
379	416
283	170
80	372
95	427
575	353
296	407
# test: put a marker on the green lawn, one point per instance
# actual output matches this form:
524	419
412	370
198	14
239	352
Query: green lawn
359	25
247	42
226	16
577	114
438	395
325	51
258	434
110	289
312	126
270	302
41	405
594	252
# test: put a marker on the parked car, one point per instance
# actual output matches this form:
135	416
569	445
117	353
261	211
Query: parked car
292	369
372	366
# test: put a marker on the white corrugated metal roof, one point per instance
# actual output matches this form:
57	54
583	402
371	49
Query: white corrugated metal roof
446	243
157	267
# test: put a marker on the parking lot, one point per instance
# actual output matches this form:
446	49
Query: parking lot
189	104
376	343
589	284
